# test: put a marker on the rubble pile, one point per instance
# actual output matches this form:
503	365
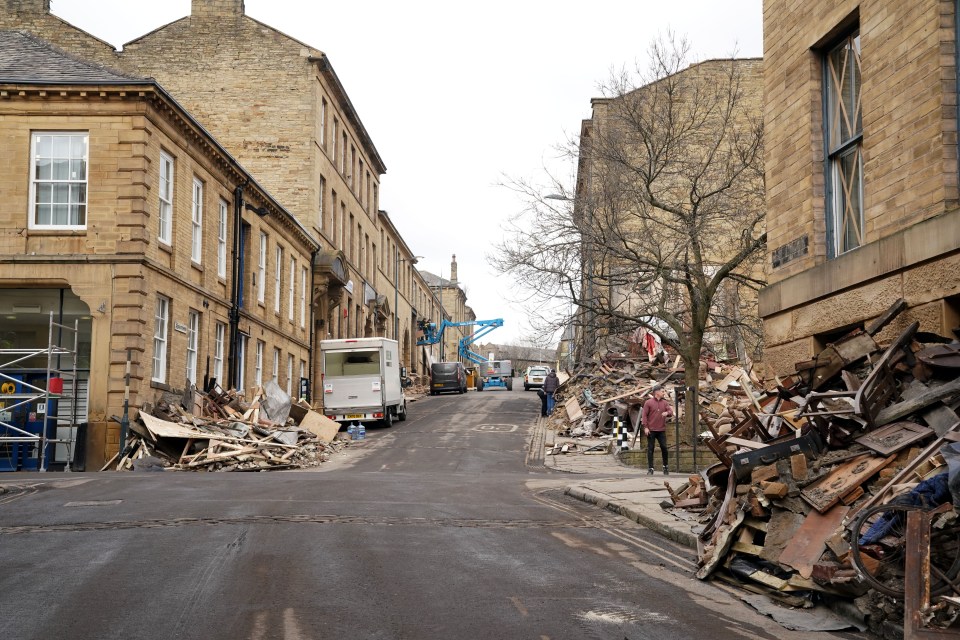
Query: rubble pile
836	483
811	496
220	431
618	384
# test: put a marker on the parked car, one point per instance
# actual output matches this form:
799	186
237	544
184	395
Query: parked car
447	376
534	377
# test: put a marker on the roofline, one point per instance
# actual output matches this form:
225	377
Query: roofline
320	58
153	85
324	65
396	232
606	99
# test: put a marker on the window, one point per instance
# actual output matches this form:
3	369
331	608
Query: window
343	225
292	287
336	141
343	155
258	364
193	331
303	376
844	147
262	269
196	252
303	297
323	122
368	190
58	190
222	241
323	194
289	375
360	179
241	361
165	230
276	279
333	216
353	167
350	254
160	321
218	339
276	365
376	198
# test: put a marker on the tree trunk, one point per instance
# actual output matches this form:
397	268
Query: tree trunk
691	403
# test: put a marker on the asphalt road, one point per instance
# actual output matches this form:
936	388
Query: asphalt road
436	528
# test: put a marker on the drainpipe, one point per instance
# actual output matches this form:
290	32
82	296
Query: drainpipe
235	288
313	324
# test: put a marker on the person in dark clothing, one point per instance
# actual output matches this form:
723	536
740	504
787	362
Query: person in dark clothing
543	402
550	385
656	411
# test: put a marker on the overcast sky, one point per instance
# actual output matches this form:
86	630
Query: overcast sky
456	95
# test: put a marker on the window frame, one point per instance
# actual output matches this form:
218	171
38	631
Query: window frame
165	206
224	215
842	196
193	343
161	329
292	288
277	279
290	374
262	269
219	338
57	183
303	297
196	221
258	364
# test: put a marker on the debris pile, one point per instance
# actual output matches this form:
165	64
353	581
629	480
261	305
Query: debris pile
219	431
836	483
818	476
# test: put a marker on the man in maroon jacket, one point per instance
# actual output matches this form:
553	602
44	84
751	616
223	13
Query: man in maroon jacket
656	411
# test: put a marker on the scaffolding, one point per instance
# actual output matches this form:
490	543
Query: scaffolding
20	397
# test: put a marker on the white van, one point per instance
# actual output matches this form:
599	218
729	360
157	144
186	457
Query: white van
361	380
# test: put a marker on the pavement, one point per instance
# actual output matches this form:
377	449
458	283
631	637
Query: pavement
612	485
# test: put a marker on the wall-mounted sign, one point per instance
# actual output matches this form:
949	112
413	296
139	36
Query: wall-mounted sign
179	327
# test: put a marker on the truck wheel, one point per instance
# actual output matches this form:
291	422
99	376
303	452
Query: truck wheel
402	412
388	418
509	384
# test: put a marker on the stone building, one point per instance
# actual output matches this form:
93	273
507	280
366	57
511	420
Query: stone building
414	300
669	191
121	212
278	106
861	170
454	307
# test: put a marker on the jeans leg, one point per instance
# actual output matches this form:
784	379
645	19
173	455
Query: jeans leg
651	441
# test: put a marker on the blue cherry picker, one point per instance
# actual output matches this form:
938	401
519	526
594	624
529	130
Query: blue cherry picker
493	373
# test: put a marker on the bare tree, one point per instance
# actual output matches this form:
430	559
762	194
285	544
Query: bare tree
664	229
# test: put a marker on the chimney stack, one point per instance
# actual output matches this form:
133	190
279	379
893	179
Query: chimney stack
216	8
31	7
453	270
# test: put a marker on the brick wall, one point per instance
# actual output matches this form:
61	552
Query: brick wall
909	105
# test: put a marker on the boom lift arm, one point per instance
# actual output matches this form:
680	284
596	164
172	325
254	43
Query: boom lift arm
432	334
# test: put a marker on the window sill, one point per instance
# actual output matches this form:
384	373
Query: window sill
165	247
156	384
196	266
57	232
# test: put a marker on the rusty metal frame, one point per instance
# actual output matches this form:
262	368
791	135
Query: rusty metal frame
917	569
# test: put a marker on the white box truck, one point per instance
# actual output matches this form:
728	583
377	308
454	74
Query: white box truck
361	380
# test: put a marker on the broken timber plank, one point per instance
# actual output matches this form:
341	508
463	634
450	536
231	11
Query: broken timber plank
922	401
808	544
894	437
873	328
827	491
574	412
